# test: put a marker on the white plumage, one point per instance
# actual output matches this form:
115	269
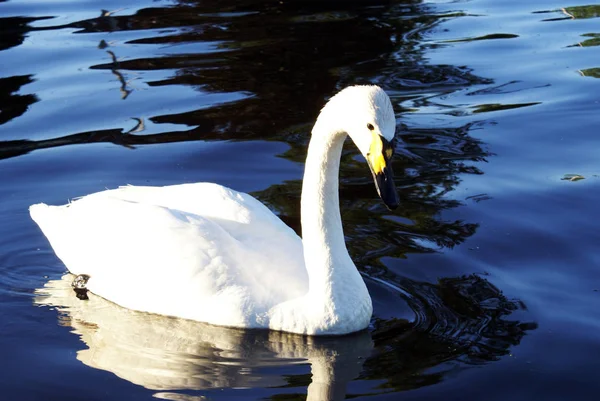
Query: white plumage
208	253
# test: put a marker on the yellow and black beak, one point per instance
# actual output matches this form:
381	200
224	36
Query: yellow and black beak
379	159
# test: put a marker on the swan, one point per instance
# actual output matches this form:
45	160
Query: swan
208	253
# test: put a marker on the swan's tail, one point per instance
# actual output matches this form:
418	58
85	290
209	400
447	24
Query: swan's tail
48	218
36	211
45	216
54	225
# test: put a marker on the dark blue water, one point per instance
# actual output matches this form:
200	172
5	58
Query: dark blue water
485	282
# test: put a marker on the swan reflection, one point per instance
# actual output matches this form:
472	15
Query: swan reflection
165	354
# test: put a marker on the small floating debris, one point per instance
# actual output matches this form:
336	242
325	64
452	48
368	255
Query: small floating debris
573	177
478	198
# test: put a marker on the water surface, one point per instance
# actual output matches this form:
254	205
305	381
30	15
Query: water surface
485	281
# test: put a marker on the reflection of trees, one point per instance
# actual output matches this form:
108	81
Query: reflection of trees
583	12
461	322
591	72
124	89
287	63
13	105
575	12
594	40
116	136
289	56
14	30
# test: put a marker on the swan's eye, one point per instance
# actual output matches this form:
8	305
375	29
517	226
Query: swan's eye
370	127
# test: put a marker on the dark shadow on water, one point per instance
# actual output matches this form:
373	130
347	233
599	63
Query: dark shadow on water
277	55
12	104
460	322
14	30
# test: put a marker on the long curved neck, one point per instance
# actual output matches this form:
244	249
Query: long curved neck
325	252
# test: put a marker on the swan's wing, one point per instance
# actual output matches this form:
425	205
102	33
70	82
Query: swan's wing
240	214
156	258
244	218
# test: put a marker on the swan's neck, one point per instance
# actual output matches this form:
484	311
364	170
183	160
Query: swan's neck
337	301
331	272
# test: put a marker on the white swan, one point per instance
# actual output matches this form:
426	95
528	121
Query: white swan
208	253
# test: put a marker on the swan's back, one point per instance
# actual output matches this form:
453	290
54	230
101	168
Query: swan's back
198	251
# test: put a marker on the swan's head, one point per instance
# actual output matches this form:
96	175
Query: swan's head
366	114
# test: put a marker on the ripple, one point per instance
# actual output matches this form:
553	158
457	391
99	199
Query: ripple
22	266
469	313
486	108
491	36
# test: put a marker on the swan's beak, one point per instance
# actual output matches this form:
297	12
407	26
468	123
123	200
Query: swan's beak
379	159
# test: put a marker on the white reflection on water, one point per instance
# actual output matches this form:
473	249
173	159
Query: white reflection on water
164	354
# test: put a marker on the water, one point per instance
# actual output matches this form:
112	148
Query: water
485	281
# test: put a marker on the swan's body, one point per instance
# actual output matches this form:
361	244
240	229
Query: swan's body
208	253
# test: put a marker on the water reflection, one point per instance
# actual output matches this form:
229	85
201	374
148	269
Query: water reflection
162	353
14	30
13	104
124	89
591	72
575	12
460	320
274	52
